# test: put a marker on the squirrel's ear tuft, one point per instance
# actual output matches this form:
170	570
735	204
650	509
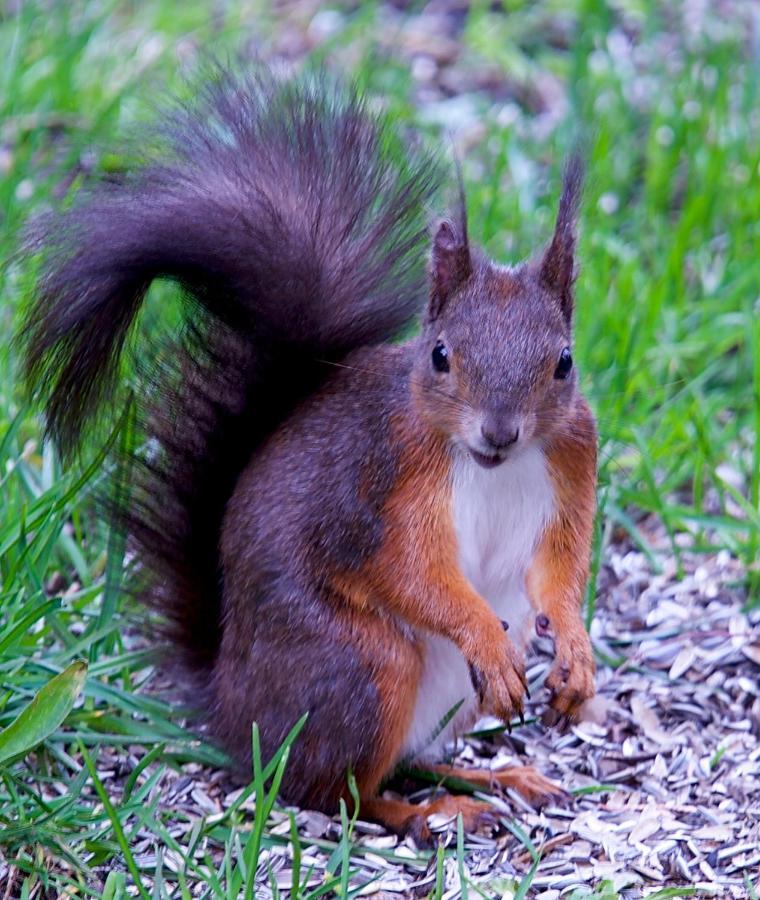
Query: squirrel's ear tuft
557	269
450	265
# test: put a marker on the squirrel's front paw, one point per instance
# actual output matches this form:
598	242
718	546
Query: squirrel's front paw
497	672
571	679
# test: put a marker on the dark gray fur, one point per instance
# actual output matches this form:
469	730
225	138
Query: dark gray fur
293	219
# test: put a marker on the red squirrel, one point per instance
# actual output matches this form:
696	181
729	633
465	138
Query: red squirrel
331	520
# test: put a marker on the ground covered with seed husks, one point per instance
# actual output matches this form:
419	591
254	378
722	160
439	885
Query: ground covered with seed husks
664	772
666	776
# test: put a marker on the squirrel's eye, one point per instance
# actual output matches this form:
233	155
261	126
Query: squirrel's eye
440	357
564	365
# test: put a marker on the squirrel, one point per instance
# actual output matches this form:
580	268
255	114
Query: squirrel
332	516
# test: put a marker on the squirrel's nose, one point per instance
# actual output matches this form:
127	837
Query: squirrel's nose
500	435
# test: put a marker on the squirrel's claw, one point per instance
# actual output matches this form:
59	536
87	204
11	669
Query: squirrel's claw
497	675
570	683
478	682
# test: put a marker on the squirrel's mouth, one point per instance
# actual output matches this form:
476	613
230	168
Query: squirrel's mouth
488	461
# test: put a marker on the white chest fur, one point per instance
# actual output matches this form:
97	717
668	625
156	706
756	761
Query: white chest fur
499	515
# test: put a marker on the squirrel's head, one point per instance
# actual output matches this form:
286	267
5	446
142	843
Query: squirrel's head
495	371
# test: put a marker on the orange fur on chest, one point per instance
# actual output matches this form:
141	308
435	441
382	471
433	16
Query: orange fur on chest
418	551
556	579
415	512
417	544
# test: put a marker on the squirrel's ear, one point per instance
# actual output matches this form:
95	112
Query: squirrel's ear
450	265
557	270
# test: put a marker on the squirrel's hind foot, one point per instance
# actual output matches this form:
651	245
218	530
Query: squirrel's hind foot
411	819
527	781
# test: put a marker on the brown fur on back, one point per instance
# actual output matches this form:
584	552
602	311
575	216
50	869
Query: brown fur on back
309	506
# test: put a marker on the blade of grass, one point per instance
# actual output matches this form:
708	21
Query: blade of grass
44	714
126	850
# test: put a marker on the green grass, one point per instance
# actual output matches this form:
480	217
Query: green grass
668	339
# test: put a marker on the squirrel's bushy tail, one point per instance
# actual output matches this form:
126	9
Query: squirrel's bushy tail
293	220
